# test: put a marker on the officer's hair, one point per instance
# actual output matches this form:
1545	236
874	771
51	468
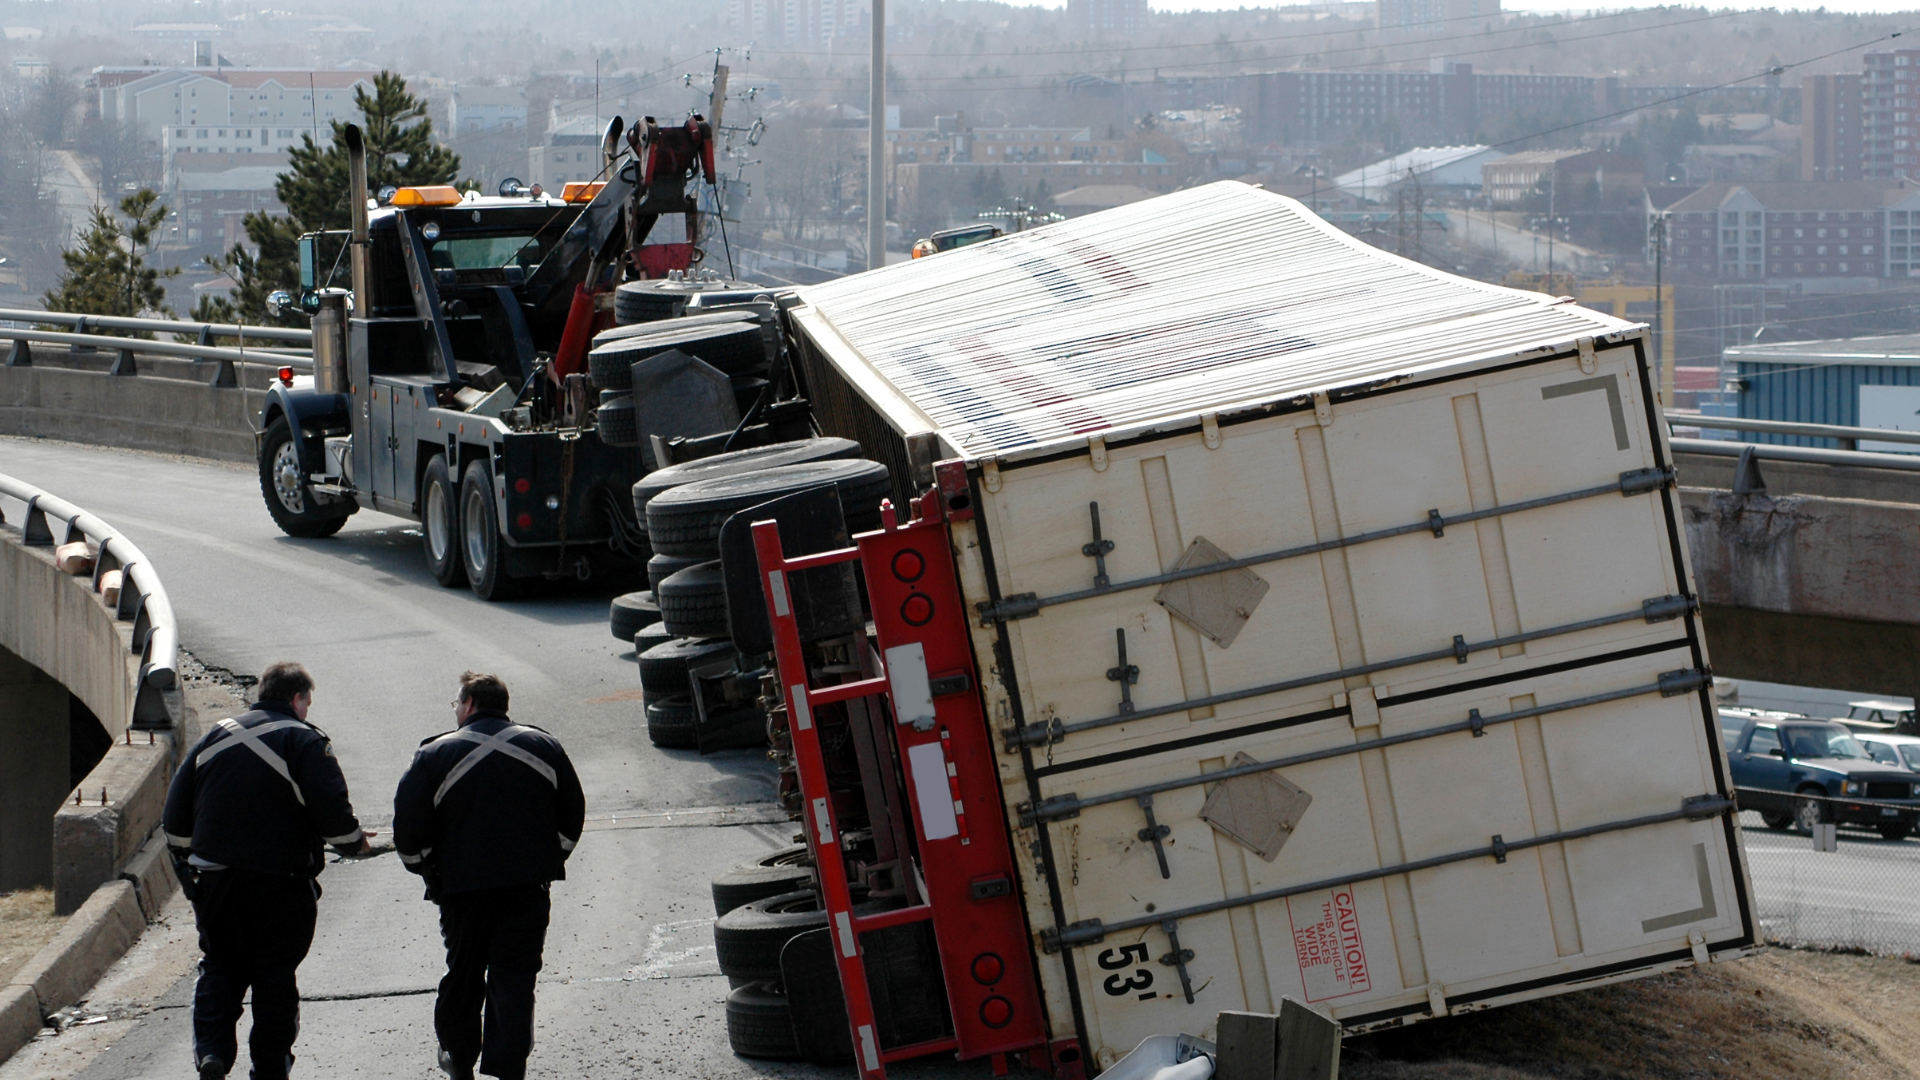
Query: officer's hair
283	681
487	692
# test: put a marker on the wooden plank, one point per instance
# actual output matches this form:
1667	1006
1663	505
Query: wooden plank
1309	1044
1248	1046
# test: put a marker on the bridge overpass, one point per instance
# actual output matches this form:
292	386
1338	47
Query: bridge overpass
1807	561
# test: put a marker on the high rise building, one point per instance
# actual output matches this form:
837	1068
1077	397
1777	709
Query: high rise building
1889	97
1830	135
1095	19
796	22
1434	14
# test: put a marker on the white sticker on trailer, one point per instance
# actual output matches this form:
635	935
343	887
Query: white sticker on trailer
929	765
912	689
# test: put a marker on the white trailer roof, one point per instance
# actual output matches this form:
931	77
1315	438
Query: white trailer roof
1149	315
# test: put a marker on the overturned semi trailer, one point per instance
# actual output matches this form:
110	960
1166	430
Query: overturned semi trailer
1277	618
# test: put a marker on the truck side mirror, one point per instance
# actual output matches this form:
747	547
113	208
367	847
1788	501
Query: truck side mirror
278	301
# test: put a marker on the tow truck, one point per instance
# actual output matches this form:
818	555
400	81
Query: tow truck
448	383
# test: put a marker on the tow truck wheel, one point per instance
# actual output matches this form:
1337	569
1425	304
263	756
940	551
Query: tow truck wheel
440	523
283	484
480	537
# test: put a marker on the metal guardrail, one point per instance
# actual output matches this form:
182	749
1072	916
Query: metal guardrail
1813	455
224	375
204	331
156	637
1849	438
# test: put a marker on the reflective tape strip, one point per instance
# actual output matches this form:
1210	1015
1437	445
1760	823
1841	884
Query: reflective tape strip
847	945
177	841
566	844
239	735
869	1050
488	744
822	822
416	860
802	712
353	837
777	590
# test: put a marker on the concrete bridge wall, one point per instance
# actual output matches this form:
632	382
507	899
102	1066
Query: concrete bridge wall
168	407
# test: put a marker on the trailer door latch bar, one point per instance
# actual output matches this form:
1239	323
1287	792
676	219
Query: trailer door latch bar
1126	674
1178	958
1154	833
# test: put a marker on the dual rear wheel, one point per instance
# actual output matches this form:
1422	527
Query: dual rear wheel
460	530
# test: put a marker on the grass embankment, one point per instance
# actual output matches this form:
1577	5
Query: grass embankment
1785	1015
27	922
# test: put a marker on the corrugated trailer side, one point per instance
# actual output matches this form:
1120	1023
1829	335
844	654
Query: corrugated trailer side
1334	620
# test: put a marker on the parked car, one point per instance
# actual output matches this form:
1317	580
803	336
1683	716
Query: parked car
1901	750
1785	765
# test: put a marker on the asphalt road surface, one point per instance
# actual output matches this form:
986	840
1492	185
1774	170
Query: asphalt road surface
630	987
1866	894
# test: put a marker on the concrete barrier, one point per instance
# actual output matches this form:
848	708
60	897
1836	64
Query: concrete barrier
102	931
117	808
80	402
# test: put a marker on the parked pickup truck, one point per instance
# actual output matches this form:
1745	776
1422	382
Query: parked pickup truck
1258	615
1800	772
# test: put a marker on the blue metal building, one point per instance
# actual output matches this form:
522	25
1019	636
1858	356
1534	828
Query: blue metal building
1859	382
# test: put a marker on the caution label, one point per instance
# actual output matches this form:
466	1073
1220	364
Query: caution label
1327	944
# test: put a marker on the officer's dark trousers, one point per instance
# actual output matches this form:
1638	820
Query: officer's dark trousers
494	939
254	931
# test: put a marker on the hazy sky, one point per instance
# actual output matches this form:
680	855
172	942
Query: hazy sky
1856	6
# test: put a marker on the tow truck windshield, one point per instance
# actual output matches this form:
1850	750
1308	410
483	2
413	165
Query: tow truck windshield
468	251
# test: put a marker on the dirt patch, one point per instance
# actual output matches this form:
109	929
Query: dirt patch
27	922
1785	1014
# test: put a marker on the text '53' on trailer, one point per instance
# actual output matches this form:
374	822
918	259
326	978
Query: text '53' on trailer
1259	616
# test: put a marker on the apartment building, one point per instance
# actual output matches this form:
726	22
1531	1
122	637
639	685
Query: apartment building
1831	237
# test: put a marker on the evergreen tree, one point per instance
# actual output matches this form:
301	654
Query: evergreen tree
105	276
401	152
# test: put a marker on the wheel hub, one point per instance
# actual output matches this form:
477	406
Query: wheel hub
286	478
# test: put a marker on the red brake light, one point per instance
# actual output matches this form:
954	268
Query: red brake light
286	376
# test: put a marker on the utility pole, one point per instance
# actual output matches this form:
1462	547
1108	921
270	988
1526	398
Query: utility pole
1659	231
1552	175
877	143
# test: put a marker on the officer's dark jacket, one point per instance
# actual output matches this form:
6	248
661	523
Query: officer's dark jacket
261	792
490	805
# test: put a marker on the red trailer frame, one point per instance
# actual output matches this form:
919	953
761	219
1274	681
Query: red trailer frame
930	683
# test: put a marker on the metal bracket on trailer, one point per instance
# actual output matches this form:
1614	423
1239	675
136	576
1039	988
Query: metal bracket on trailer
1692	808
1055	730
1070	804
1026	605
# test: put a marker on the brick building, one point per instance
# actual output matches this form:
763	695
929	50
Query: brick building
1832	237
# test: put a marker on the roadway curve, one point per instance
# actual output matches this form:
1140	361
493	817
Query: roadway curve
629	988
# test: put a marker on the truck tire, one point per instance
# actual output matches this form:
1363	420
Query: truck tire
783	870
712	318
673	722
748	939
648	637
630	612
739	348
662	567
481	546
667	668
440	523
759	1023
737	462
661	298
617	423
283	483
686	520
693	602
610	369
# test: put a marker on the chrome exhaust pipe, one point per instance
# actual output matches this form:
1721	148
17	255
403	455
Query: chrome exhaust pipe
357	205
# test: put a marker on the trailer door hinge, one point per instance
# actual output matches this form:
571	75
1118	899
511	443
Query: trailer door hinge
1643	480
1684	681
1323	410
1588	362
1097	453
990	473
1210	430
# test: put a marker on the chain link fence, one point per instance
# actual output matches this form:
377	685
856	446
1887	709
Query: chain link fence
1864	893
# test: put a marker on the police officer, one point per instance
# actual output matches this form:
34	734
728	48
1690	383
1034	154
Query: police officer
488	814
246	818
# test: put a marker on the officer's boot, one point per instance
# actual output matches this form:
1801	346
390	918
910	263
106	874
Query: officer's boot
212	1068
453	1068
